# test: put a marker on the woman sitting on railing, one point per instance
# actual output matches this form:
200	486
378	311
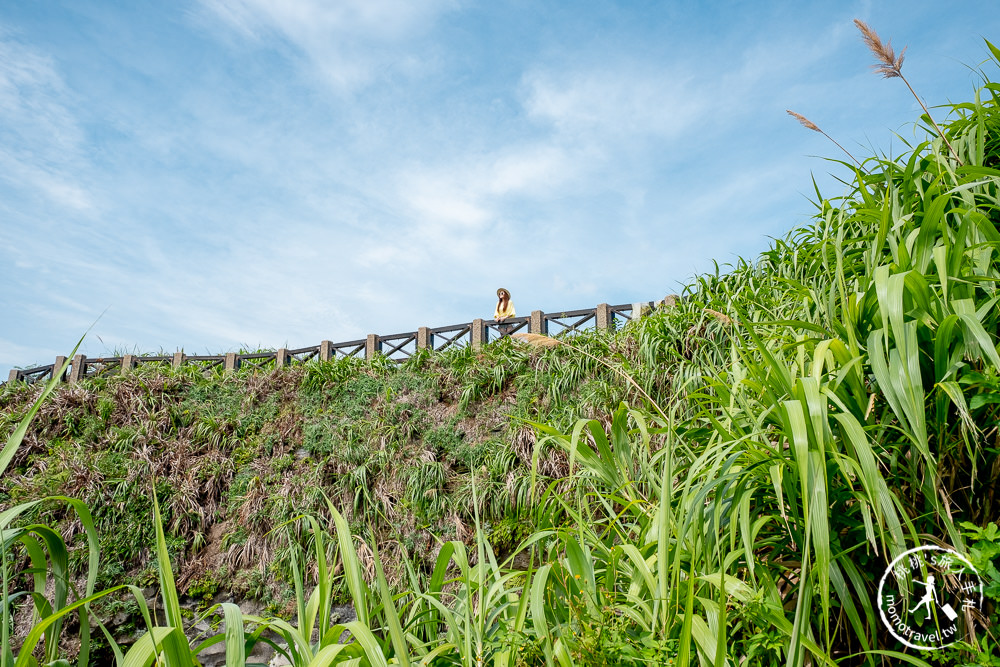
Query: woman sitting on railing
503	311
505	307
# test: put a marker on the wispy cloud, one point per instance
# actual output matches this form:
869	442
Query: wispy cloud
349	41
467	190
40	138
615	103
15	355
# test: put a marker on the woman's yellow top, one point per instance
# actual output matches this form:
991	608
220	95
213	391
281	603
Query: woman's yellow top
504	311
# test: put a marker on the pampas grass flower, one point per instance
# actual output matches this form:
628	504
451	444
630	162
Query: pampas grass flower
889	65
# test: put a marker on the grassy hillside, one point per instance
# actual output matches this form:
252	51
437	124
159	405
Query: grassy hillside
234	455
723	482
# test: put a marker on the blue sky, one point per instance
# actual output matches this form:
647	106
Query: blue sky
217	174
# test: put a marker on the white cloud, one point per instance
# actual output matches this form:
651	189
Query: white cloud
534	169
15	355
619	101
28	82
445	197
467	191
349	41
40	138
48	180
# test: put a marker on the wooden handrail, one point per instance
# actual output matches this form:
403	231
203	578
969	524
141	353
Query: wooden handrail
400	346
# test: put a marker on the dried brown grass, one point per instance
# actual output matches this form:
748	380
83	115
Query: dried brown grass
536	340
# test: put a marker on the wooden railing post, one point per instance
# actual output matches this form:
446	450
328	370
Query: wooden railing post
232	362
128	362
603	316
56	367
178	359
372	345
12	377
641	309
76	373
424	338
325	350
478	333
281	357
537	324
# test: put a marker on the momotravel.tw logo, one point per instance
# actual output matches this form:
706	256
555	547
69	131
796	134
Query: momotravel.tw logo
923	593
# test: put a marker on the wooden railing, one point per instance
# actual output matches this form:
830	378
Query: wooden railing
398	347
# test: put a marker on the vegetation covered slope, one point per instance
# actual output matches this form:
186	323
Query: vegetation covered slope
795	424
235	455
